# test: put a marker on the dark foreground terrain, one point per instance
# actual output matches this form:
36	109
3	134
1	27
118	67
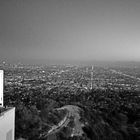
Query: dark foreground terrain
98	115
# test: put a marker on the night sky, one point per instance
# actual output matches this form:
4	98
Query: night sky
69	30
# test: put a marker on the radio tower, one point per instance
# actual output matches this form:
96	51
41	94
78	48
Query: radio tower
91	86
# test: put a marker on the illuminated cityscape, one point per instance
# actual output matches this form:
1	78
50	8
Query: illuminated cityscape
46	97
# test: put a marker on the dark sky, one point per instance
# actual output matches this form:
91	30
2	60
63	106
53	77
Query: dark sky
70	30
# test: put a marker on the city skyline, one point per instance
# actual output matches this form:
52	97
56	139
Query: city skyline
64	31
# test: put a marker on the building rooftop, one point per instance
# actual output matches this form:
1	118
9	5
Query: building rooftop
3	110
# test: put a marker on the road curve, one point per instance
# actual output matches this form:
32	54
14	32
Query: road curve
72	111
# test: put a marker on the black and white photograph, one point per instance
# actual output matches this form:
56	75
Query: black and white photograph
69	69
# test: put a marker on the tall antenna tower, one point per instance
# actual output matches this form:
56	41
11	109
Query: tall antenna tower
91	84
1	87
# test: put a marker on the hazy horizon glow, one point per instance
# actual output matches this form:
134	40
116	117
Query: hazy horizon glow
70	30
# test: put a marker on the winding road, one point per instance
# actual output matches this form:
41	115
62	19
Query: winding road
72	111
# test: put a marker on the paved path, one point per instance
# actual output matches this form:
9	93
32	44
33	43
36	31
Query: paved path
72	111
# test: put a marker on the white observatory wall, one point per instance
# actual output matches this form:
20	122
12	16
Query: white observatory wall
1	87
7	125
